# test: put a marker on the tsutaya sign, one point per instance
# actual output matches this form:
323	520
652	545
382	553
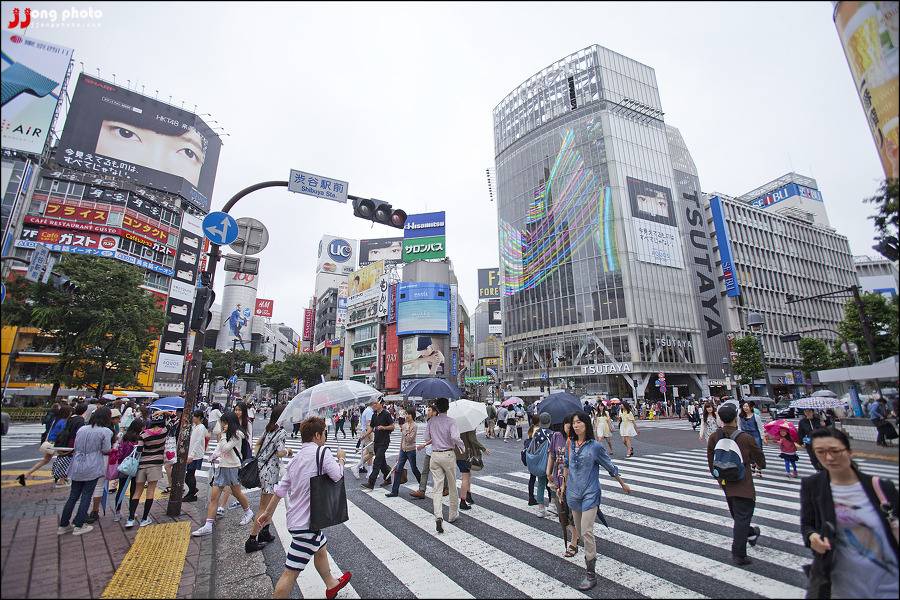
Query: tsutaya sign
607	369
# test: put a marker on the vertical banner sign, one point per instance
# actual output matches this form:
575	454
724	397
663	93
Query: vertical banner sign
732	286
392	359
392	304
488	283
308	318
454	317
424	237
173	345
263	307
383	288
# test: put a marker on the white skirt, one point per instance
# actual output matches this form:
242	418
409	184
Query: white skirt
601	428
627	430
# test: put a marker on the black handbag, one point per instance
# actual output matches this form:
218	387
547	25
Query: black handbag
248	474
327	498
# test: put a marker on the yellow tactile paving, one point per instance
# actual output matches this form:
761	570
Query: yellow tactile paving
154	564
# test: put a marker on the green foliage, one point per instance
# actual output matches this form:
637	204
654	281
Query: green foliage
308	366
104	330
882	316
275	376
222	363
886	218
749	363
814	355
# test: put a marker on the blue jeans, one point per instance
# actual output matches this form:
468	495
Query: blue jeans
405	455
81	492
540	487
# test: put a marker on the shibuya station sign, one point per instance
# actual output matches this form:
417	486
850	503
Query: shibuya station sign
607	369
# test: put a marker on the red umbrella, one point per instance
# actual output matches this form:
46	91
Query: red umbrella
772	429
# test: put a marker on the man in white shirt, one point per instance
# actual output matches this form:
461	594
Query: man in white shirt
363	441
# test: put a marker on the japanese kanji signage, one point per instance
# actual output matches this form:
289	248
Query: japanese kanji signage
263	307
61	240
318	186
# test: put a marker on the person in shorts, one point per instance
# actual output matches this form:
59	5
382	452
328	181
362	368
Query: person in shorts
152	446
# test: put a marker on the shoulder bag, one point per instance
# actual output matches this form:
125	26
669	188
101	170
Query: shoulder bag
129	465
248	474
886	509
327	498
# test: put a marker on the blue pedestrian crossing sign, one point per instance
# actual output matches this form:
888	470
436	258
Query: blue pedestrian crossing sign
220	228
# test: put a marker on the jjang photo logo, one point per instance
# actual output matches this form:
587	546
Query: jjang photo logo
24	17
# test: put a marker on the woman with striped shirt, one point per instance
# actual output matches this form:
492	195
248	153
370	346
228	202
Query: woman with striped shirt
152	444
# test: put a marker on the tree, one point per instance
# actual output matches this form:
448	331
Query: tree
886	219
814	355
275	376
307	366
104	329
749	363
222	363
882	316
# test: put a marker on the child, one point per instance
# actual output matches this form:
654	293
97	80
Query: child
788	450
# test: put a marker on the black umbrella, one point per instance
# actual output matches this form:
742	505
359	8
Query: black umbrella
560	405
431	388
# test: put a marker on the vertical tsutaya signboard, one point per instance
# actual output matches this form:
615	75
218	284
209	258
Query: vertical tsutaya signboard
117	132
181	298
454	317
33	76
488	283
424	237
495	318
263	307
654	225
868	32
732	286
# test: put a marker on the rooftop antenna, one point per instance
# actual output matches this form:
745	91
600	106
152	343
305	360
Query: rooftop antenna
98	71
128	85
114	77
157	94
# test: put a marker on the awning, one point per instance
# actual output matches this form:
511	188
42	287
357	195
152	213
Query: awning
45	391
882	370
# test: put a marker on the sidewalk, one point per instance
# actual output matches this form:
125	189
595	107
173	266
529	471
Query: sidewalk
36	563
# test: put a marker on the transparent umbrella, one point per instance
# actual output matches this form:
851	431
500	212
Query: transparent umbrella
336	394
823	394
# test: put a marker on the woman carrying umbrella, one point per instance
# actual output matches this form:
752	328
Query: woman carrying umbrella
787	441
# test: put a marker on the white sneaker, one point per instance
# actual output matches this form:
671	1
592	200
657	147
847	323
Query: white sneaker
64	530
248	516
130	523
220	511
355	472
147	521
234	504
82	530
207	529
117	517
542	512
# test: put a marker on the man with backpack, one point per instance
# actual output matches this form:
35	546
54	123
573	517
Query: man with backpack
730	452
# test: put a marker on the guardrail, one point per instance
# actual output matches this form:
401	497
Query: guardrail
20	414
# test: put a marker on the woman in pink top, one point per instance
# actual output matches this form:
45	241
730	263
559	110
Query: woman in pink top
306	543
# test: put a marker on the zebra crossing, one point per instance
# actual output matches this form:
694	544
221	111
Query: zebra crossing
669	538
23	435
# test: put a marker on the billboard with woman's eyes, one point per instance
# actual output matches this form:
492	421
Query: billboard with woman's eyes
117	132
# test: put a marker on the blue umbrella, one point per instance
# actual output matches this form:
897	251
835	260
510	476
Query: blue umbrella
168	403
560	405
433	387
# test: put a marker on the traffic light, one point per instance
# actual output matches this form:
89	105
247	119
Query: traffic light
202	315
379	212
61	282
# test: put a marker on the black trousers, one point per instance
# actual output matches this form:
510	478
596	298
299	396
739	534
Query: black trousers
379	464
741	510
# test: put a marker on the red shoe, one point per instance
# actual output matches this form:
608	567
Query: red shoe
344	580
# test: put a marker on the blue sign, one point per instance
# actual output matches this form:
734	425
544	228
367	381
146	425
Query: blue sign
220	228
424	225
732	287
2	292
423	308
783	193
340	250
454	363
408	291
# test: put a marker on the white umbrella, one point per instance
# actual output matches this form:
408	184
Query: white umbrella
338	394
820	403
823	394
468	414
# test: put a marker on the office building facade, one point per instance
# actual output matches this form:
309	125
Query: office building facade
877	275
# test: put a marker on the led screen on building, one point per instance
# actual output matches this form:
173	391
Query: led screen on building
423	308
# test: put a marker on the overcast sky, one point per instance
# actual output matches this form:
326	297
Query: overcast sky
397	100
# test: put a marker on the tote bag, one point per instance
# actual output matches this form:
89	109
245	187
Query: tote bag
327	498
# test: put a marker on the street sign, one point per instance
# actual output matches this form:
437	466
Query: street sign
318	186
241	264
39	259
480	379
49	270
791	337
252	236
220	228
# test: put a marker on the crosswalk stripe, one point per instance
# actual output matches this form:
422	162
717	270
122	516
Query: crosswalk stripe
703	479
531	582
701	470
777	557
415	572
702	565
696	500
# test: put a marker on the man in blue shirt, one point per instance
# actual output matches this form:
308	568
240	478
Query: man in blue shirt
877	415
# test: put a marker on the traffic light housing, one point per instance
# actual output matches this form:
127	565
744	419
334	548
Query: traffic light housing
379	211
61	282
202	315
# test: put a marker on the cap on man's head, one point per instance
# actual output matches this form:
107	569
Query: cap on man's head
545	419
728	413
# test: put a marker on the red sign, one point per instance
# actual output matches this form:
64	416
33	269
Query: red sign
391	354
71	225
75	238
138	226
263	307
308	317
145	242
77	213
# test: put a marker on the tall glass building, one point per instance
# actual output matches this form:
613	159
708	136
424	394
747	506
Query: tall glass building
597	204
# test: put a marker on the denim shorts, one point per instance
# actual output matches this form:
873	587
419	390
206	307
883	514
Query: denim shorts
226	477
464	466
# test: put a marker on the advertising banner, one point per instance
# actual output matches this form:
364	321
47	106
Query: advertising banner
57	240
114	131
732	286
424	355
424	248
84	214
383	289
142	227
454	317
263	307
390	250
33	76
392	359
116	197
239	298
783	193
181	299
488	283
869	34
337	255
309	316
340	319
495	317
424	225
654	227
364	283
423	308
392	303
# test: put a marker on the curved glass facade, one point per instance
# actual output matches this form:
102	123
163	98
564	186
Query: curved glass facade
594	274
